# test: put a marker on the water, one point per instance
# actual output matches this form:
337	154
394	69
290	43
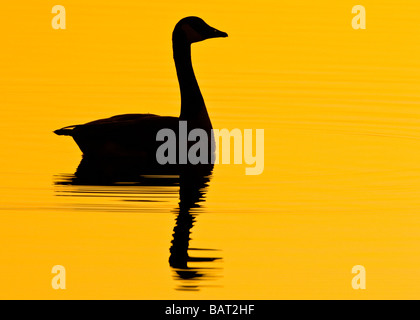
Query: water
341	182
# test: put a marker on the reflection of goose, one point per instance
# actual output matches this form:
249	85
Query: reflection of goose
134	135
192	189
191	272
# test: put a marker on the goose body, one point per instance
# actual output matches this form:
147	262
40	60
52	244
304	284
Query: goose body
126	135
134	135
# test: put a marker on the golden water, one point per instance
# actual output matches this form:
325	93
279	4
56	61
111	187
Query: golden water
341	183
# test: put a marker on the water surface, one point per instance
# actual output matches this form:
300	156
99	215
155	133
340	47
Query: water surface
341	183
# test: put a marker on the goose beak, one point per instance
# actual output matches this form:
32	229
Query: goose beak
218	34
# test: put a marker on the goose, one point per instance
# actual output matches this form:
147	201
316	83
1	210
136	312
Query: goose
134	135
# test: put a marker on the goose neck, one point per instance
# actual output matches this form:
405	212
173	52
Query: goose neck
192	102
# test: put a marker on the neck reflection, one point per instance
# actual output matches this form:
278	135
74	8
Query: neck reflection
193	184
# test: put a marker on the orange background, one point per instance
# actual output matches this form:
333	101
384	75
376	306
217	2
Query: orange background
341	184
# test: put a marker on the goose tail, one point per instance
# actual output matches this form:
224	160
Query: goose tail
66	131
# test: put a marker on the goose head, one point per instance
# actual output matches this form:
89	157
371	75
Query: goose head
193	29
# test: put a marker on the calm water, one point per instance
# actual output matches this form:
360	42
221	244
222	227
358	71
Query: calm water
341	183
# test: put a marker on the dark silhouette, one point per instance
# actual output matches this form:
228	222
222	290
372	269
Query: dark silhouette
128	142
193	183
123	149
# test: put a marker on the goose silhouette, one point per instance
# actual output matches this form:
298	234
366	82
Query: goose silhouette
133	136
